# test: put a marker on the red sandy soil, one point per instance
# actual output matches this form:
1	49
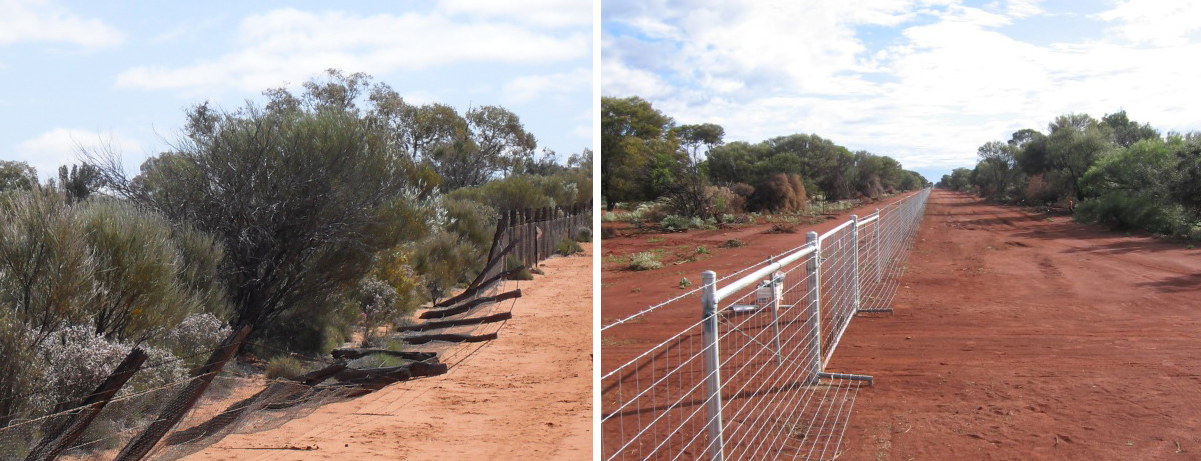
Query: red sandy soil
625	292
1027	336
526	395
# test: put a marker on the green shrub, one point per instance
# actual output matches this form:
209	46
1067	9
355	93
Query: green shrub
1128	211
702	250
568	247
679	223
685	283
285	367
313	326
512	262
1194	233
475	222
445	259
137	257
521	191
583	234
644	261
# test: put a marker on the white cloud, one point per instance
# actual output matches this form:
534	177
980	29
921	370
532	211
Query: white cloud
291	45
43	21
928	98
1023	8
751	47
1155	22
62	146
531	87
545	13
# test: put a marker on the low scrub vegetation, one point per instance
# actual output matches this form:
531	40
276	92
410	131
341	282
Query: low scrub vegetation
644	261
1112	171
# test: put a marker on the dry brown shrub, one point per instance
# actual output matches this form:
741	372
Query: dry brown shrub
782	194
743	189
725	200
871	187
1039	190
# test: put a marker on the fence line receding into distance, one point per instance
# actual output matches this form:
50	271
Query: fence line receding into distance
748	381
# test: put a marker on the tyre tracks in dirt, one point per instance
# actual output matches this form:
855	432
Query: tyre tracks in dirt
1025	335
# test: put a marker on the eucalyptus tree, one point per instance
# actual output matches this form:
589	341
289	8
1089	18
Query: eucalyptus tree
633	132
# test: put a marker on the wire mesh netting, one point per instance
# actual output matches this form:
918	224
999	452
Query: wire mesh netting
755	386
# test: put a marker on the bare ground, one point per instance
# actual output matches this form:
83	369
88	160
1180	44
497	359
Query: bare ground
1020	335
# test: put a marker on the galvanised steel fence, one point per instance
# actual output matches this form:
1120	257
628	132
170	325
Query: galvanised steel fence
749	379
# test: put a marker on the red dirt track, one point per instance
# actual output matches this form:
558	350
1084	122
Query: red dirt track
1021	337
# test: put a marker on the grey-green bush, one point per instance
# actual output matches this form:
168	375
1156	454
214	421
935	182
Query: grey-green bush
1127	211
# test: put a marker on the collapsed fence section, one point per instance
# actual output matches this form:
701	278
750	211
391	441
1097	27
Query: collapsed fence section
174	419
749	380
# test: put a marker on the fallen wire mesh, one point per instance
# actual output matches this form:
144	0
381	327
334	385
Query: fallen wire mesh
756	386
279	402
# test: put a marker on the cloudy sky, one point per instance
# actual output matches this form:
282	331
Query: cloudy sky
924	81
119	72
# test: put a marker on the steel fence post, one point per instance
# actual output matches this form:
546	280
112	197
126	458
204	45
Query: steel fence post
855	263
776	283
712	364
879	253
813	302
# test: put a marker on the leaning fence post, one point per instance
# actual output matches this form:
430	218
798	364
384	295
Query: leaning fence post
528	244
712	365
174	411
855	263
56	441
813	303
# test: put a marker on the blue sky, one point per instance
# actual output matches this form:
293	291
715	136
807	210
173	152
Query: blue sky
121	73
924	81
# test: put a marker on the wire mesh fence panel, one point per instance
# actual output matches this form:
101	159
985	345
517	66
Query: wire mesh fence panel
772	403
654	405
748	380
838	251
123	418
240	402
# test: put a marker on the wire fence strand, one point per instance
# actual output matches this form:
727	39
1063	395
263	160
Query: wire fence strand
756	387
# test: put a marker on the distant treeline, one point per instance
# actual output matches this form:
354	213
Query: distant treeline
647	157
1113	171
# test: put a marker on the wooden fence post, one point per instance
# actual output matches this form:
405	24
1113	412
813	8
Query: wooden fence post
173	412
527	244
54	442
